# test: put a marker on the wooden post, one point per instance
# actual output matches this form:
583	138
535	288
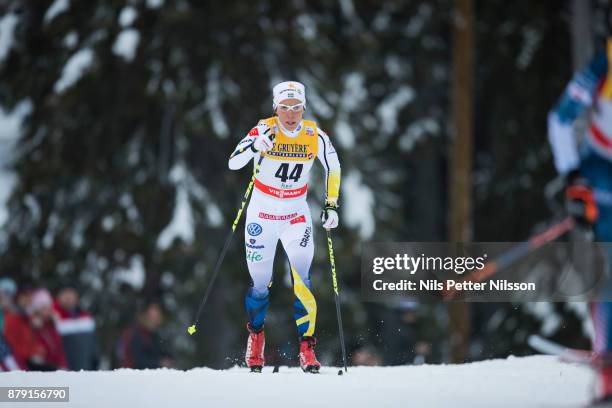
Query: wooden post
461	151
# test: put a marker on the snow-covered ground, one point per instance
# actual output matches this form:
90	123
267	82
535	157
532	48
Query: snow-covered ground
538	381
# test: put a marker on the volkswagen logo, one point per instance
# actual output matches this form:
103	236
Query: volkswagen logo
254	229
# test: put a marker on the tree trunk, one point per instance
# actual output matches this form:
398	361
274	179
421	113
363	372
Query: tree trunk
460	183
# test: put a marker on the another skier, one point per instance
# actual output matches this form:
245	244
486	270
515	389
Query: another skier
278	209
588	172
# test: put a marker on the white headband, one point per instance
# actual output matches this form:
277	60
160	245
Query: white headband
288	90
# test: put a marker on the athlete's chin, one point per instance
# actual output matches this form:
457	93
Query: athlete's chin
290	125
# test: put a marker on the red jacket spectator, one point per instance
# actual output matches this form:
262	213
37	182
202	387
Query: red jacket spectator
49	339
45	332
35	342
20	337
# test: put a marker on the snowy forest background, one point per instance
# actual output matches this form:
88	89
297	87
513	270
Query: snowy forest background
117	119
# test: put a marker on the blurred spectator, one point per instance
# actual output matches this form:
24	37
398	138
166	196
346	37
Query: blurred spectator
141	346
77	329
409	331
45	332
23	298
7	360
31	333
8	289
367	356
18	332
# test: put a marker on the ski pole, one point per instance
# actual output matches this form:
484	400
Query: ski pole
516	253
571	355
336	297
192	329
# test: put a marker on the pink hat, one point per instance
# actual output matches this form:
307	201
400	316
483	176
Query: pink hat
41	298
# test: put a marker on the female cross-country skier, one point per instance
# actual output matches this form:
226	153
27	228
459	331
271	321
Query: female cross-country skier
278	209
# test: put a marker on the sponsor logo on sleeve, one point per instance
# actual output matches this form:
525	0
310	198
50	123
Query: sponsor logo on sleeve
254	229
254	132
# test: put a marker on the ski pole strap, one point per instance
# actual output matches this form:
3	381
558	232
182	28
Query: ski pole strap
332	262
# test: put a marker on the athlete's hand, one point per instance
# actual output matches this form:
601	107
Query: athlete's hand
329	215
580	201
264	140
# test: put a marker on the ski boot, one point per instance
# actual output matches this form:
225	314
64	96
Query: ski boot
255	349
308	360
603	392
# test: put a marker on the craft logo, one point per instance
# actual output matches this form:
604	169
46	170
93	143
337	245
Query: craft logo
254	229
306	237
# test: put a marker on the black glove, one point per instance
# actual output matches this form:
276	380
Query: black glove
329	215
